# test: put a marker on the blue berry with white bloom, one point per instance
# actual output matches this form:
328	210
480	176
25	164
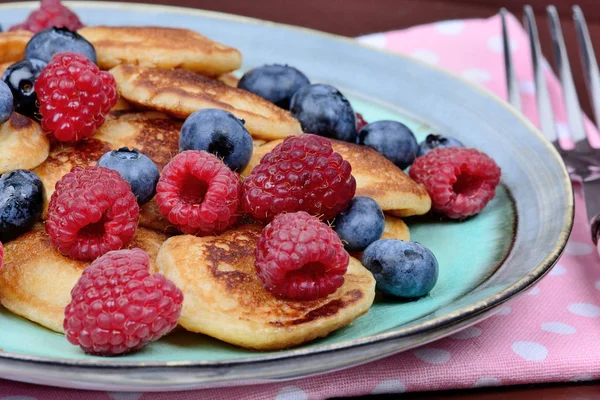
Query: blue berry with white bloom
360	224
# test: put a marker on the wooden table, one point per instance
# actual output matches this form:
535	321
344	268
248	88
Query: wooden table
359	17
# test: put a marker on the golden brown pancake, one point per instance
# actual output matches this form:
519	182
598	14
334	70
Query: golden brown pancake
395	228
376	177
229	79
23	144
179	93
36	280
12	45
224	299
161	47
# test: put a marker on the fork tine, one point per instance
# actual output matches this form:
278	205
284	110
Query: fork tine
546	115
588	60
576	127
514	97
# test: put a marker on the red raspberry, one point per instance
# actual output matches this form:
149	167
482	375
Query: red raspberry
360	122
459	181
301	174
118	307
51	13
91	212
74	96
199	194
300	258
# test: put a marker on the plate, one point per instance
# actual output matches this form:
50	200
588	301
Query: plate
484	261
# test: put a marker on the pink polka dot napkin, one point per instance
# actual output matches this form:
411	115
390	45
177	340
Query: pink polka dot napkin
549	334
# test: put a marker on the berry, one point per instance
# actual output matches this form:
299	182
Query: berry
198	193
276	83
391	139
118	307
433	142
74	96
402	269
136	168
20	78
360	224
459	181
91	212
302	173
21	203
6	102
47	43
360	122
51	13
299	257
323	110
220	133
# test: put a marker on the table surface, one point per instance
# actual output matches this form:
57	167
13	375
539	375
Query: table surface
359	17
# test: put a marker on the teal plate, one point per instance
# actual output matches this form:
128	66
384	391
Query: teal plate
484	261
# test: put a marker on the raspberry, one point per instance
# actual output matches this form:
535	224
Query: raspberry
300	258
301	174
74	96
51	13
198	193
459	181
118	307
91	212
360	122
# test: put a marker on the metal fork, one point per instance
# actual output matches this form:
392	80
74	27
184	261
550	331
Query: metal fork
583	162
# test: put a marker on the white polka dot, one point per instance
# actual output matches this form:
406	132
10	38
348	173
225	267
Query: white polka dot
534	291
527	87
124	396
495	44
585	310
562	130
557	270
18	398
468	333
450	27
504	310
424	55
487	381
291	393
578	248
530	351
433	356
477	75
558	327
374	39
582	378
389	386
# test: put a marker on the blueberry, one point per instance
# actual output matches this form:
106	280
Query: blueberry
20	78
402	269
136	168
432	142
6	102
323	110
48	42
360	224
218	132
392	139
276	83
21	203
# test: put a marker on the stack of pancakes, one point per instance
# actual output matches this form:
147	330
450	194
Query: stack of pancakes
164	75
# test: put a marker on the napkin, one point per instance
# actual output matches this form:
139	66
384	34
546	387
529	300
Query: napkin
549	334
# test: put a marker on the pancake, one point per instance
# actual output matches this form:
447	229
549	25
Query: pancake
395	228
229	79
376	177
161	47
23	144
224	299
12	45
179	93
36	280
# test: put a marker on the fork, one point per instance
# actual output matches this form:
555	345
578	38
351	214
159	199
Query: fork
583	161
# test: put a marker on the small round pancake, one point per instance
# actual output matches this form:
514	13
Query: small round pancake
160	47
376	177
224	299
180	93
12	45
395	228
23	144
229	79
36	280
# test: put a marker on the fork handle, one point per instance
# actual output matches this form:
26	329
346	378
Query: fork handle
591	194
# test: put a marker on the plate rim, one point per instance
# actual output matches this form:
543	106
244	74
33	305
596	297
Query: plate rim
464	313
